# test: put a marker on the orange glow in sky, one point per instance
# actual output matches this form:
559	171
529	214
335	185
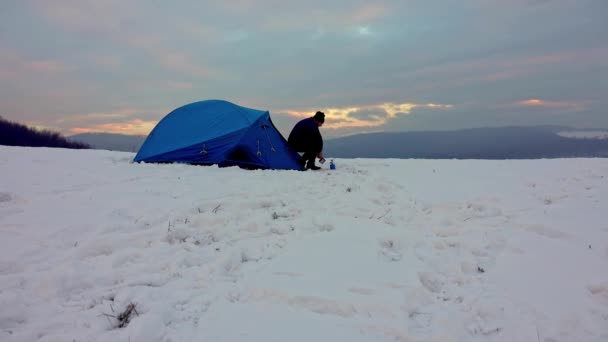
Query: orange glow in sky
133	127
532	102
378	115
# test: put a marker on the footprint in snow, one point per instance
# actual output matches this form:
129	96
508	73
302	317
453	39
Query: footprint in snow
599	291
288	274
361	291
419	306
552	199
488	316
545	231
391	248
419	321
431	281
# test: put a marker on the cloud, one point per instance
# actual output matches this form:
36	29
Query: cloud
276	17
367	13
182	62
120	24
495	78
173	60
508	67
237	36
531	102
99	18
176	85
131	127
366	116
369	114
14	65
121	113
562	106
517	4
199	32
76	56
110	62
46	66
364	31
124	121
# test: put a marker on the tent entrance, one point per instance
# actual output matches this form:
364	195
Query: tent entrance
241	156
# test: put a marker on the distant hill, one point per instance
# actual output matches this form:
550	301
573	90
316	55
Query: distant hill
110	141
476	143
16	134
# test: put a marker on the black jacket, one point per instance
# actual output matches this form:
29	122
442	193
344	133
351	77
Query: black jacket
305	137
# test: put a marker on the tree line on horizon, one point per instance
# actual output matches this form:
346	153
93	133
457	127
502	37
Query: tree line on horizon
16	134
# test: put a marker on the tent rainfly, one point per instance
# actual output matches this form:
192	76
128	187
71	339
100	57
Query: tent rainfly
218	132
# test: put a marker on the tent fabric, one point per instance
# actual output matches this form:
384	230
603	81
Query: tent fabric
219	132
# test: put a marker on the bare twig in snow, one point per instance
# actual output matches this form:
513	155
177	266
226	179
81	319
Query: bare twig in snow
125	317
388	211
108	318
216	208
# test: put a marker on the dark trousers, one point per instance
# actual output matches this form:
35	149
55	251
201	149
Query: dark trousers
308	158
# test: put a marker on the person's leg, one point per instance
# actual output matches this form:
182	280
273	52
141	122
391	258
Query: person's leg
312	166
308	159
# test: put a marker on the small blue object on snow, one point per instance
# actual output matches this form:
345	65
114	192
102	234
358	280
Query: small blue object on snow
332	165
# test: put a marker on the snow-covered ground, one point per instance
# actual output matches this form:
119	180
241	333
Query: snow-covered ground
584	134
377	250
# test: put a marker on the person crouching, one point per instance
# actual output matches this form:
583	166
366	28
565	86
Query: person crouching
305	137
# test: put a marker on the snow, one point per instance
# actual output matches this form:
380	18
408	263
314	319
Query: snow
376	250
584	134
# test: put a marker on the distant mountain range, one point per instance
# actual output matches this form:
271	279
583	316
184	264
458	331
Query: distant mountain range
474	143
109	141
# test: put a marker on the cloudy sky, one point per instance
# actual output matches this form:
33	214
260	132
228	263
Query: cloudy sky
120	66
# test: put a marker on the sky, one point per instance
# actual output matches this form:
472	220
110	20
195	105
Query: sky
120	66
457	251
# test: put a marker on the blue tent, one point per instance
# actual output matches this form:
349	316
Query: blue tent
219	132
